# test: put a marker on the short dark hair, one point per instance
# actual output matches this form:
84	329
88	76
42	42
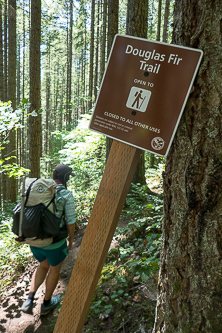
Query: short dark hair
56	175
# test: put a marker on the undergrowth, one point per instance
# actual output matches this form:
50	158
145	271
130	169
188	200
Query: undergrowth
13	256
125	296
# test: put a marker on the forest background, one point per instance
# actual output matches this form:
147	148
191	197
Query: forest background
189	297
51	66
55	78
52	60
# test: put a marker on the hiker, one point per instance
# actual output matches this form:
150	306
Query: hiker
51	257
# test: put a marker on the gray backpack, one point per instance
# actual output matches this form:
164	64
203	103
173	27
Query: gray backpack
35	219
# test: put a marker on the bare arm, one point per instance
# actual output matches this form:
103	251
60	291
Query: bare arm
71	230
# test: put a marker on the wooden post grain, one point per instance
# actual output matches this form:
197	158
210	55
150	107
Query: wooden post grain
117	177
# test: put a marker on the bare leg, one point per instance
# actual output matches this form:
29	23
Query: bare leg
52	280
39	275
37	279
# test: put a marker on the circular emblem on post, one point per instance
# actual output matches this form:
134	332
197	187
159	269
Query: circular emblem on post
157	143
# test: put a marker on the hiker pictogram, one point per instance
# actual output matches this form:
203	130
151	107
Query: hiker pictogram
138	99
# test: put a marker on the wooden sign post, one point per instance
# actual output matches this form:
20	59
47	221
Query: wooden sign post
117	177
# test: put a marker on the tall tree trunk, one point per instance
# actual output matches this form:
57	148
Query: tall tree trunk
35	122
24	135
96	67
11	148
159	20
48	104
83	80
103	41
113	15
5	51
91	55
18	88
1	59
62	88
5	193
113	19
137	15
69	65
56	104
84	107
136	25
166	21
190	282
23	64
1	90
19	131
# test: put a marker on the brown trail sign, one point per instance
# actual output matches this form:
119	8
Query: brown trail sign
143	94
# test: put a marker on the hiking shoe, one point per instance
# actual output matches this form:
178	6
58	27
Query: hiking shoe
27	305
45	309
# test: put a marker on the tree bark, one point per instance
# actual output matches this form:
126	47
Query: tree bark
96	51
103	41
190	282
1	58
23	50
166	21
113	14
11	147
35	122
69	65
91	55
1	95
159	20
5	51
48	101
137	16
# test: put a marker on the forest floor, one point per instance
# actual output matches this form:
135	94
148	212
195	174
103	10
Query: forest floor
13	320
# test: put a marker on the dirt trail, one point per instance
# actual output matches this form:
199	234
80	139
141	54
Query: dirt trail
12	319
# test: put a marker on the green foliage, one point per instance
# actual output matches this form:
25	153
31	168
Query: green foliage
11	120
84	150
57	140
134	260
12	169
140	252
139	242
132	263
13	257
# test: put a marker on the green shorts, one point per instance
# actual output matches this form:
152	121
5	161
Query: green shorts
53	256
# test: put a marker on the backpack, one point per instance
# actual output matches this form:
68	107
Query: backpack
35	219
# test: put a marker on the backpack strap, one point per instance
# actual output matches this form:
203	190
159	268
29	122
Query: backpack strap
20	238
52	201
58	190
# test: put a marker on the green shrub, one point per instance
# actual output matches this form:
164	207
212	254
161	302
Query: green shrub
13	256
84	150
